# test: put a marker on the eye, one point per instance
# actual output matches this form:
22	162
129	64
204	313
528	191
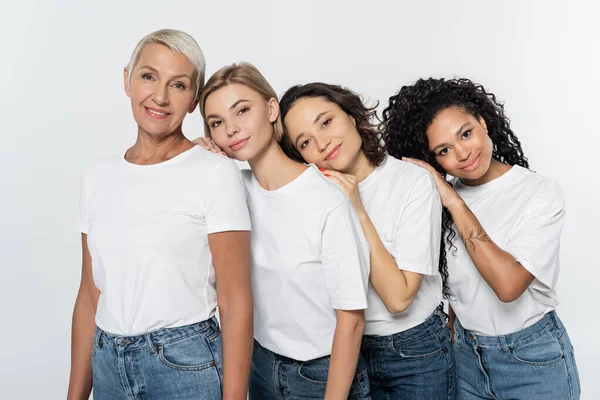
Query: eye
326	123
466	134
444	151
243	110
304	144
179	85
147	76
215	124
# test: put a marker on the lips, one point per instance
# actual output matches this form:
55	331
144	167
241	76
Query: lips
333	153
157	113
473	164
239	144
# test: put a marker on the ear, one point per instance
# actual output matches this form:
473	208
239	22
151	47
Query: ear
126	82
273	110
353	120
482	122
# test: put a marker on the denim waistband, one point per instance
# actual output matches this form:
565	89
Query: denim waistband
434	322
531	333
279	357
161	336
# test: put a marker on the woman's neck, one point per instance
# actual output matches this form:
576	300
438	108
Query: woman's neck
150	149
273	169
360	167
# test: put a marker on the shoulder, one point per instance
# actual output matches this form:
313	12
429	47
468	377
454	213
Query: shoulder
104	166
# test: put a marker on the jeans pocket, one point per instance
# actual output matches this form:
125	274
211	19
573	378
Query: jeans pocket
315	371
544	351
191	353
427	346
360	385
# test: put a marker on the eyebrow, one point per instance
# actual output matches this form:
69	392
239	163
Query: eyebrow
234	105
458	132
174	77
319	116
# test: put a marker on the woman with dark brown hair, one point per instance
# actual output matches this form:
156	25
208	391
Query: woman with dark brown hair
406	343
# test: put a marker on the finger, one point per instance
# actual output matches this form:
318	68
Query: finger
420	163
348	181
202	142
347	189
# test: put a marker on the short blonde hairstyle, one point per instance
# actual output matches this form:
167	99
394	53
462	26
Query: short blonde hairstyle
179	42
244	74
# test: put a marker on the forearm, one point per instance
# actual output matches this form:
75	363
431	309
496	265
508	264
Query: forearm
344	354
392	284
498	268
82	337
237	334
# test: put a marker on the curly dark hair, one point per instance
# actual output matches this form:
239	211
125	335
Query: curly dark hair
412	110
372	144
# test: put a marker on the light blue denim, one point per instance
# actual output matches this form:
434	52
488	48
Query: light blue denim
173	363
536	363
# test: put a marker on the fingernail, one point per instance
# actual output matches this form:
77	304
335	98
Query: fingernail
327	175
321	169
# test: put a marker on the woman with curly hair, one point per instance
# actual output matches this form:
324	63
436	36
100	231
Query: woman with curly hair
406	343
508	340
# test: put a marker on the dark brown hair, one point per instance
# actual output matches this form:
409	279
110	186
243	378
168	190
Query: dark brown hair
350	103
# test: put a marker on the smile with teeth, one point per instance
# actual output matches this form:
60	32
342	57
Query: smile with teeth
156	112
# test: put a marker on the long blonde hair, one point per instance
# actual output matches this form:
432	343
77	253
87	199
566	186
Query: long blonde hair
244	74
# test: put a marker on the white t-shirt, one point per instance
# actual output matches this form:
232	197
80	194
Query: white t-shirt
523	213
404	206
147	231
309	257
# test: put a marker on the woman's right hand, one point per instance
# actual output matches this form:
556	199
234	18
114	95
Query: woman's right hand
209	144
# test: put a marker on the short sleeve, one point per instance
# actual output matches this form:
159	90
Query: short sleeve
226	208
535	240
416	245
346	264
85	202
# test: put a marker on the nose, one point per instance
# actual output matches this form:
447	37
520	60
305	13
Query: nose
462	152
232	129
322	142
161	95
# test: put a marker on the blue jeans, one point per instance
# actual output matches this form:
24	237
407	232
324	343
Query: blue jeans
172	363
415	364
277	377
535	363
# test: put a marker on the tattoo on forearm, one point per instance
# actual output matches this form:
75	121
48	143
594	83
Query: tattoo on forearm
480	236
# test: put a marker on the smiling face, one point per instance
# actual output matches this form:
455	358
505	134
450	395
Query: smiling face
240	120
461	144
323	133
161	89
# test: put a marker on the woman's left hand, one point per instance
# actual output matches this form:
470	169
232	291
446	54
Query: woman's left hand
350	186
448	195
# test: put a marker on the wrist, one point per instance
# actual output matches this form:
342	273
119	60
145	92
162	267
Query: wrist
456	204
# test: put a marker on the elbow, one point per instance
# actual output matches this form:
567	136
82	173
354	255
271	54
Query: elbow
397	305
508	295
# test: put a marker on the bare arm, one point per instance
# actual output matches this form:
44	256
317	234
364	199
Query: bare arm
83	328
344	353
231	260
505	275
